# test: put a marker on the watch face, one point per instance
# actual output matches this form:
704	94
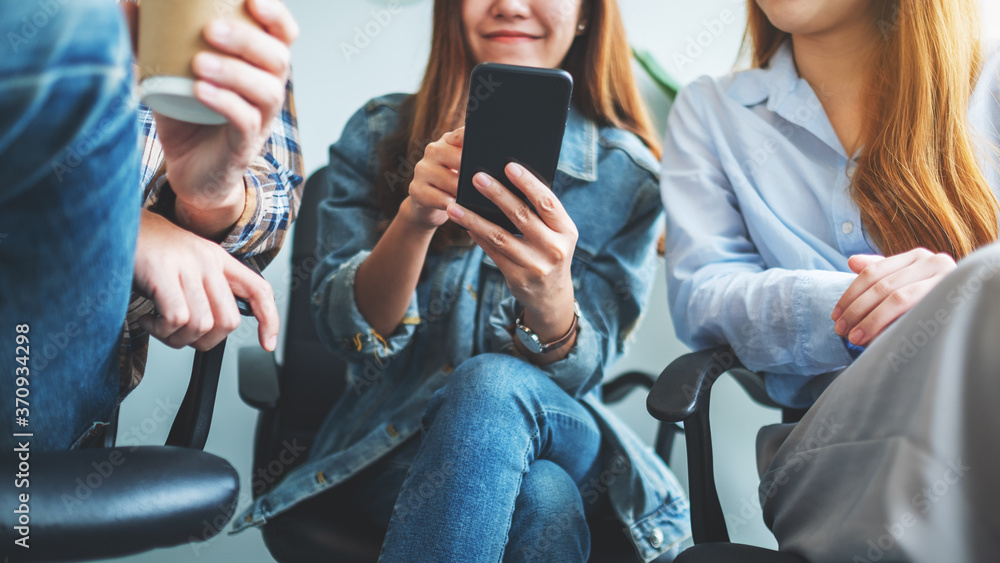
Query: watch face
529	339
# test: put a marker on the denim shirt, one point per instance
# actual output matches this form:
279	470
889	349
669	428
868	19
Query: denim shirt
760	219
608	182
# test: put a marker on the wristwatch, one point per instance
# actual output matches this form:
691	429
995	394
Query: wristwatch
534	344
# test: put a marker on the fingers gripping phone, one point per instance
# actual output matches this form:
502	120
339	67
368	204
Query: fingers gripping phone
515	114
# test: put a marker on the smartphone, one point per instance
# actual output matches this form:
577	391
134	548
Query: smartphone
515	114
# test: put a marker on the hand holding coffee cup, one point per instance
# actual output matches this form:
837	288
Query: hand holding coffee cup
234	57
198	57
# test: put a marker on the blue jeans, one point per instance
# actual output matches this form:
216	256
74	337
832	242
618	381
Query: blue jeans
496	474
69	205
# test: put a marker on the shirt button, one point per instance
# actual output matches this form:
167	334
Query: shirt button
851	168
656	538
847	227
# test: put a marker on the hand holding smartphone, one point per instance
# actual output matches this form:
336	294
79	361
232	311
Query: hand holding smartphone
515	114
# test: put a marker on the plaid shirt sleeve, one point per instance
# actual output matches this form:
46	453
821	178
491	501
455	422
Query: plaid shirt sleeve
274	183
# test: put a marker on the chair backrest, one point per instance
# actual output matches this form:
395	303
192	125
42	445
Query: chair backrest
312	378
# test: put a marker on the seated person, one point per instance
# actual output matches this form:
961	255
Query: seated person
200	198
816	207
462	442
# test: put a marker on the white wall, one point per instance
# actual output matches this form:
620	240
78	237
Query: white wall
329	88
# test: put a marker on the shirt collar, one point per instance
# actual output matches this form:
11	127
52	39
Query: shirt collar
787	94
578	156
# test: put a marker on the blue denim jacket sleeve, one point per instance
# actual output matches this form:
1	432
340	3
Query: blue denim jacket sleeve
612	288
348	218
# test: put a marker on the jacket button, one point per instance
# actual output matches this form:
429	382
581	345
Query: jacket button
656	538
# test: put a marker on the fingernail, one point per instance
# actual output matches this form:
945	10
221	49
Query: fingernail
515	170
272	342
455	211
840	327
837	312
481	180
856	336
209	63
220	30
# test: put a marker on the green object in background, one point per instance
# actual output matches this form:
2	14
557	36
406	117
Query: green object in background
666	83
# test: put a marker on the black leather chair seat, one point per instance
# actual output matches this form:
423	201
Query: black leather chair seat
734	553
118	501
323	525
320	526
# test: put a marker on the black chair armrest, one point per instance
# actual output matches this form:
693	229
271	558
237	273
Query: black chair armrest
683	394
194	417
103	503
619	387
685	386
258	375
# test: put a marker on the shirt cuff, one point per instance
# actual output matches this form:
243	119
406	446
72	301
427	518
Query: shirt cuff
250	219
813	300
342	326
576	374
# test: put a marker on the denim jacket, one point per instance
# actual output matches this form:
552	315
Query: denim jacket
608	182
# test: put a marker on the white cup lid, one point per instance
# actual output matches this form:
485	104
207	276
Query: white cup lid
173	96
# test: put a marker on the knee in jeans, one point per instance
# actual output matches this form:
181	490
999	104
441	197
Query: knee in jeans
492	377
548	491
550	507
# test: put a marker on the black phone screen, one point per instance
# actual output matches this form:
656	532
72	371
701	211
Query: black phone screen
515	114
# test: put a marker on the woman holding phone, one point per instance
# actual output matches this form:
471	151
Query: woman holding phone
816	207
463	442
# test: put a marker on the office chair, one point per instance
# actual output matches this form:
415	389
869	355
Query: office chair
682	394
107	502
294	398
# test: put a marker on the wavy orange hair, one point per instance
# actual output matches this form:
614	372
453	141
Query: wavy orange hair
918	182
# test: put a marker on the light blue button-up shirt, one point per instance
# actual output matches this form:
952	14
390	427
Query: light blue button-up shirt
760	220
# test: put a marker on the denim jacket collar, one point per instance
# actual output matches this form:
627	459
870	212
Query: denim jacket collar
578	157
787	94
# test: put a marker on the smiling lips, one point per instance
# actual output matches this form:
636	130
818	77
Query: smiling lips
508	36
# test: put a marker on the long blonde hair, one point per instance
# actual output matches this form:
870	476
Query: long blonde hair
918	181
604	90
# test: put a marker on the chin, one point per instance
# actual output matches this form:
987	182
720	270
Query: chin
804	17
509	59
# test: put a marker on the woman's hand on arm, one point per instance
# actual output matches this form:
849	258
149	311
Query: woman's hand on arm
536	266
885	289
387	278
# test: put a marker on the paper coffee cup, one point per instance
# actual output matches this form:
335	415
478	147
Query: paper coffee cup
170	35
